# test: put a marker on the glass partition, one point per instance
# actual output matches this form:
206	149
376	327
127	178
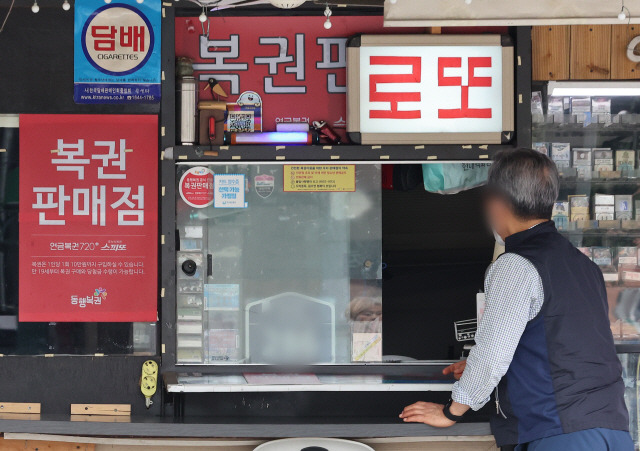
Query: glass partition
278	264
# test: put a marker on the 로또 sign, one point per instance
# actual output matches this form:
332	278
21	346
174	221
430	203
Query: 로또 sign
437	89
88	218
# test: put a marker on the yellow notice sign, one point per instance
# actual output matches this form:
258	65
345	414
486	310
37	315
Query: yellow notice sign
308	178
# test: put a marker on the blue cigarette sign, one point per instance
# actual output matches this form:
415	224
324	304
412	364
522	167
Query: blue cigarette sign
117	51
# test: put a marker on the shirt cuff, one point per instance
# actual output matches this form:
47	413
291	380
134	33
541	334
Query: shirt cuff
461	397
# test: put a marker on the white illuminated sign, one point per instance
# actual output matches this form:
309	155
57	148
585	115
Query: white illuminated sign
431	89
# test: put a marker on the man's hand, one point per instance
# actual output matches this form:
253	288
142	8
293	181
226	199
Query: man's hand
427	413
456	369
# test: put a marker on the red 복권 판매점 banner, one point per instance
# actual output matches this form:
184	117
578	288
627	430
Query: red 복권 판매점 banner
88	218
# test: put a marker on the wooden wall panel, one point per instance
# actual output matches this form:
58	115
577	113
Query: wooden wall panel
621	67
36	445
590	52
550	52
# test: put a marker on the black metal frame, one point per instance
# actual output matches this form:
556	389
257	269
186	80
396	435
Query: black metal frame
348	152
56	381
174	154
59	380
167	252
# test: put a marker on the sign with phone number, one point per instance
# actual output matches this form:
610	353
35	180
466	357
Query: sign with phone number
117	51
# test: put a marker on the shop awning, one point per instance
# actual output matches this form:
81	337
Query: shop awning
440	13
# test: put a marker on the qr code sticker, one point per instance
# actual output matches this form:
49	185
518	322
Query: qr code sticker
240	121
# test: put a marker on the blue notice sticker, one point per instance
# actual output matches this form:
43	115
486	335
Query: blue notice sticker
228	191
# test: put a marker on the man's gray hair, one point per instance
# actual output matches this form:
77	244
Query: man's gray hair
527	179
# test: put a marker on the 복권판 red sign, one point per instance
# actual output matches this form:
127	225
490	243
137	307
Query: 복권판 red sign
295	64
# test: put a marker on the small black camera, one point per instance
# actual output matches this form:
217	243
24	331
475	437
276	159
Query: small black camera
189	267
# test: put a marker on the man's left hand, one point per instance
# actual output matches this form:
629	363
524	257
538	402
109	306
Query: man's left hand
427	413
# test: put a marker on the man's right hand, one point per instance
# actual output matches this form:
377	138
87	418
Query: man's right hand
456	369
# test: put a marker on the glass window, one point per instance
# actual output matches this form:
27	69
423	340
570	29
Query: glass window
279	264
631	376
594	141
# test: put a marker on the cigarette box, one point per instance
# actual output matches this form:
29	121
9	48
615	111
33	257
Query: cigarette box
624	206
604	212
631	276
610	276
602	155
581	156
602	159
561	152
602	256
579	207
601	110
625	160
604	199
542	148
628	255
581	109
560	214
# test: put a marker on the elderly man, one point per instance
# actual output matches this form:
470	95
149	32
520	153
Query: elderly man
544	343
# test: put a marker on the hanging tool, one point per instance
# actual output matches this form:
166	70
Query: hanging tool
326	132
212	137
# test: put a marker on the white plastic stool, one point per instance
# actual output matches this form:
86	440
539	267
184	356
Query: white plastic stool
313	444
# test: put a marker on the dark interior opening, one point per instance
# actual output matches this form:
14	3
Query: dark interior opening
436	249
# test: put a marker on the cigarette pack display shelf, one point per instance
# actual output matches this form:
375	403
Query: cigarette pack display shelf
609	229
327	152
618	122
597	182
624	132
582	129
603	233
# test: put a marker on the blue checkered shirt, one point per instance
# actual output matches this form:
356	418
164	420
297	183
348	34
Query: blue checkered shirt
514	296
